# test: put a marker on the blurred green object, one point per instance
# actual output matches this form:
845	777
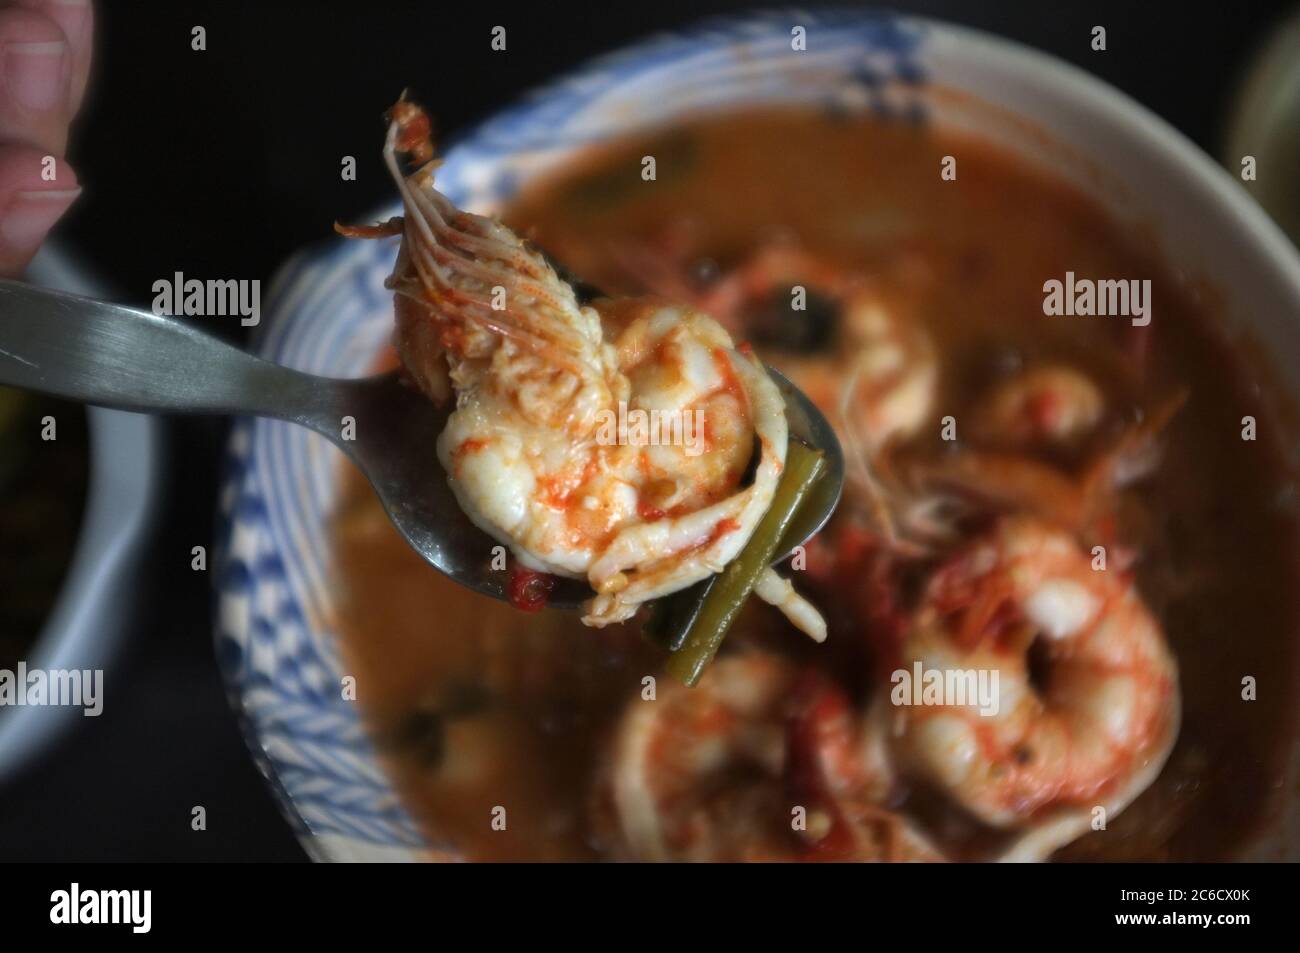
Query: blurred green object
42	494
11	448
10	401
1265	124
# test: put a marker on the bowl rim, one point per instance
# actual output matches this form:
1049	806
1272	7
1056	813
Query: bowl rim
1065	80
1056	78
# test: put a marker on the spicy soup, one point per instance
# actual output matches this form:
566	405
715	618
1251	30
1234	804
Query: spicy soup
477	706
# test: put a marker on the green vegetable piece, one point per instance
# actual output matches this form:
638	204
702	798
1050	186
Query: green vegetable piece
728	590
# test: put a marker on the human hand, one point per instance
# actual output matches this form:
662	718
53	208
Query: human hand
45	49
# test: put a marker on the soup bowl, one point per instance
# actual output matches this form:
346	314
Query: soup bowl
330	314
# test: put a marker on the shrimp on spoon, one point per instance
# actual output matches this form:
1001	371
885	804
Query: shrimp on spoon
543	451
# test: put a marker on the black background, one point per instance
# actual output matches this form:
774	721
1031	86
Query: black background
220	163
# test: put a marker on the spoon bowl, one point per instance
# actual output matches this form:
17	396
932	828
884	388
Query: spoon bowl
392	417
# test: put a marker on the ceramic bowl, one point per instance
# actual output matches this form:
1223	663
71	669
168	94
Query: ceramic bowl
329	314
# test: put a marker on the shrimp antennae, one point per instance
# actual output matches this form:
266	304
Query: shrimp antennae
460	266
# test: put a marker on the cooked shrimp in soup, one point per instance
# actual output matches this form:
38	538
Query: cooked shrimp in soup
760	762
1089	729
1053	563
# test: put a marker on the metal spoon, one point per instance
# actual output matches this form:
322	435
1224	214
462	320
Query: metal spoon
113	356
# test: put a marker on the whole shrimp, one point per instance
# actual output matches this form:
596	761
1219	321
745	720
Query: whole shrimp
1088	702
531	450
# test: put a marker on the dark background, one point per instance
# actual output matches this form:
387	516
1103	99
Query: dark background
220	163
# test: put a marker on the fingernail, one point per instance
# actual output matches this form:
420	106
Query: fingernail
31	215
34	74
71	16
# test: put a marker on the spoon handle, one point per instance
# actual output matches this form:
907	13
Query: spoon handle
113	356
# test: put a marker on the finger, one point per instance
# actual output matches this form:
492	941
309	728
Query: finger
76	19
30	203
35	68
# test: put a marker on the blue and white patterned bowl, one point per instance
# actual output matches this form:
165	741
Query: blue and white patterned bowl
328	313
